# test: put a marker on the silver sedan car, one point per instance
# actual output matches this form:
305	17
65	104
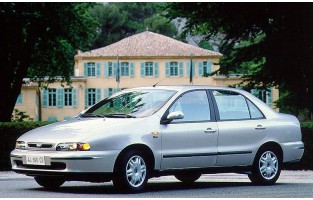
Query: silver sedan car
185	131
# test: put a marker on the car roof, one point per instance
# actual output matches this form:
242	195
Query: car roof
186	87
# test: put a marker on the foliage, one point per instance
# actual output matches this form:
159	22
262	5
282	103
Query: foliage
205	45
9	132
19	116
269	42
120	20
38	40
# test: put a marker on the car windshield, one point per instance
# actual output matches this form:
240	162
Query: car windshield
131	104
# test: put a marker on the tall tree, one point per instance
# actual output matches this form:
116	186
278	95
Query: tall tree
271	43
38	40
120	20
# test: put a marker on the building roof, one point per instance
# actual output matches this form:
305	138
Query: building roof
148	44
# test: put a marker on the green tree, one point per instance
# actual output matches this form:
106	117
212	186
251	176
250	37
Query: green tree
120	20
271	43
39	40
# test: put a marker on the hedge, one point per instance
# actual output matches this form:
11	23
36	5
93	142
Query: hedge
10	131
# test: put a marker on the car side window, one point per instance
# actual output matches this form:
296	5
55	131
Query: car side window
254	111
231	105
194	105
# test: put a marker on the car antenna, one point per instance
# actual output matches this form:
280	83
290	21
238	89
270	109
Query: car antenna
159	82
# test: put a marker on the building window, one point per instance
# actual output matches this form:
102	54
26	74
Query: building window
52	96
91	97
149	69
265	95
91	69
124	69
206	68
110	69
67	97
261	94
173	69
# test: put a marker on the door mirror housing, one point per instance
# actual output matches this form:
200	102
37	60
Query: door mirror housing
173	115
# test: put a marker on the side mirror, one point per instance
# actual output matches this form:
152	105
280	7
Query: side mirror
175	115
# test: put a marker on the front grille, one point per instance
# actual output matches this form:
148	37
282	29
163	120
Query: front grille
54	165
39	146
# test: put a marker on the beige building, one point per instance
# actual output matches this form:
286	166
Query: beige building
144	59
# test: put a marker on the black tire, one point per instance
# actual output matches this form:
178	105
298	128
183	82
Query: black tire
131	172
188	177
266	167
49	182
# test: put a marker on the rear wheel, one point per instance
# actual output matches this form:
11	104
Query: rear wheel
49	182
266	167
188	177
131	172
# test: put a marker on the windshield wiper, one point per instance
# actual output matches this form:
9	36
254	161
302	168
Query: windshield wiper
92	115
119	115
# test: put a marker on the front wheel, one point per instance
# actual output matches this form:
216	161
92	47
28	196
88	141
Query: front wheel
266	167
49	182
131	172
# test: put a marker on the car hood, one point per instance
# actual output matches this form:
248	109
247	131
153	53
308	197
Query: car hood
78	129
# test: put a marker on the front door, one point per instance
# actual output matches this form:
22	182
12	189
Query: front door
190	142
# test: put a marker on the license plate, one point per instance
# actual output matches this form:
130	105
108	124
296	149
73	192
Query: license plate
35	160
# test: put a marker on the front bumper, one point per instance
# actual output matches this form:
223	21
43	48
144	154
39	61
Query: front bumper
65	162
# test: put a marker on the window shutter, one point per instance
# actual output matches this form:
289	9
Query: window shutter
167	69
52	119
86	97
106	92
114	69
255	92
156	69
106	69
45	98
132	69
209	68
142	69
85	69
200	68
98	95
270	97
98	69
60	97
188	69
74	97
181	69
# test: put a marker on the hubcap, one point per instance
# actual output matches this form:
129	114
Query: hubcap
268	165
136	171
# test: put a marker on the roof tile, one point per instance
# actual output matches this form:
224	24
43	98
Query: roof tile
148	44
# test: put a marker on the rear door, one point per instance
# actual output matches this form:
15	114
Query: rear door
190	142
241	126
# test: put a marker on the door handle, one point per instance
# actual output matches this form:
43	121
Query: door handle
210	130
260	127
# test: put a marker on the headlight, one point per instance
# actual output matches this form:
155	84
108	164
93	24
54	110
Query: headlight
73	147
20	145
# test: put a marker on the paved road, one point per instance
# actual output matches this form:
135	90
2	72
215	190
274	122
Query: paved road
290	184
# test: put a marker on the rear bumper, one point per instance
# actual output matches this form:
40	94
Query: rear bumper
61	163
293	151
